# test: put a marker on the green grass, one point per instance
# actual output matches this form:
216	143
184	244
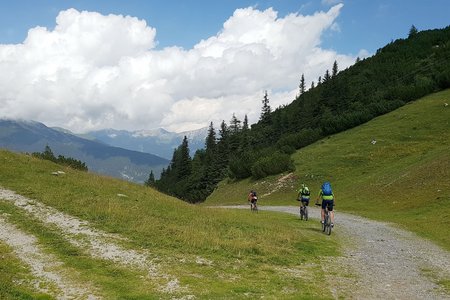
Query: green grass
12	271
216	253
403	178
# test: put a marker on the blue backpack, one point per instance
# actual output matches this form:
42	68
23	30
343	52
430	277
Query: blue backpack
326	189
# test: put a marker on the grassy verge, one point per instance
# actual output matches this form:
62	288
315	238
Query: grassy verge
395	168
215	253
14	278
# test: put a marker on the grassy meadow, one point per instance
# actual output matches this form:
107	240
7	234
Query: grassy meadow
214	253
395	168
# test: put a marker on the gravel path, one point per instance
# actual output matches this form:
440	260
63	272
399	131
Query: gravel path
381	261
49	275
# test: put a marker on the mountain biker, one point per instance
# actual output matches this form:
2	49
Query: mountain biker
303	195
327	201
252	198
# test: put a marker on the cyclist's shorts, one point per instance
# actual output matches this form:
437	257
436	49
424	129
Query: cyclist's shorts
254	200
305	202
329	203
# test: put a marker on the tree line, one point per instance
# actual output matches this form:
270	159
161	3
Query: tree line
62	160
402	71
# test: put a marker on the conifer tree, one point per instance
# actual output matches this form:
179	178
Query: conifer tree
184	163
151	179
302	85
335	69
245	124
412	31
223	147
327	76
48	154
235	125
266	110
210	144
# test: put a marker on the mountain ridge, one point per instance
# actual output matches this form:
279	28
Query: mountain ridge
156	141
33	136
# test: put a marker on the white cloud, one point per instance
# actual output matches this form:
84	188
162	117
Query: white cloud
331	2
94	71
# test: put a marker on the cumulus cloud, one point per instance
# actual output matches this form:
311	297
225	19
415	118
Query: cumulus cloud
96	71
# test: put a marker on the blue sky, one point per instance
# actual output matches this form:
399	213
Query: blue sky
151	57
367	24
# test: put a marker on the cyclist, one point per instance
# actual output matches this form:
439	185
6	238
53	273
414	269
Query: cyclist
303	195
328	199
252	198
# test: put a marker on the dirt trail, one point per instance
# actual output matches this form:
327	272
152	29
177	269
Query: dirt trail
94	242
50	277
384	262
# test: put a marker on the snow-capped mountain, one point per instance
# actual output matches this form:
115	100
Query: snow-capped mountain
155	141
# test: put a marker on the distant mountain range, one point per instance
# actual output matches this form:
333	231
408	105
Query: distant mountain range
157	141
30	136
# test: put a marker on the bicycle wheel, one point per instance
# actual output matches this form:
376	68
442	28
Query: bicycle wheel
328	226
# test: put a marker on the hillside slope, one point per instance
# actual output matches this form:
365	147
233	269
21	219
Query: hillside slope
394	168
81	234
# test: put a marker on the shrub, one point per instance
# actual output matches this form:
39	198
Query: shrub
270	165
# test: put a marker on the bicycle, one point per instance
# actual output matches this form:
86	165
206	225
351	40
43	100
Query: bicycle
303	212
253	206
326	225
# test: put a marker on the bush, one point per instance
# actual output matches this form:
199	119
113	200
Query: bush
299	139
240	166
270	165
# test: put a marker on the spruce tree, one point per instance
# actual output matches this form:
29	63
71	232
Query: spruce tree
302	85
184	163
335	69
223	147
327	76
266	110
412	31
48	154
151	179
245	124
210	144
235	125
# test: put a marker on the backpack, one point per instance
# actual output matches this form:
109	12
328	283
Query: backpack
326	189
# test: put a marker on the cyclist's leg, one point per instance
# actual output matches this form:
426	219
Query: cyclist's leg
322	213
330	208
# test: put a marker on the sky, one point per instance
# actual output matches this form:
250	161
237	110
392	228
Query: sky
179	65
